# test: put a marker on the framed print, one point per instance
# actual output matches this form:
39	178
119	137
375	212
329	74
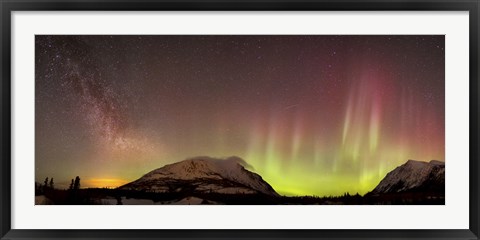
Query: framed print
239	120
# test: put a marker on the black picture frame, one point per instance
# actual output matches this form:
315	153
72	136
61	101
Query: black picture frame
8	6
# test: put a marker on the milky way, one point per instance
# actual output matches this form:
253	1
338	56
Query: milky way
314	115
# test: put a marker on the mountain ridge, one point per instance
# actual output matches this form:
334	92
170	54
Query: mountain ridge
204	175
414	176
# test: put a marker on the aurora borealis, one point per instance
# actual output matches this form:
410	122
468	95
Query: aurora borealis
313	115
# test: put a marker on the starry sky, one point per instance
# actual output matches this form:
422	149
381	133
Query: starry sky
312	114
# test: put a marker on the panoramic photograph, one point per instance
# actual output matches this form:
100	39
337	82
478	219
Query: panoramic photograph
239	120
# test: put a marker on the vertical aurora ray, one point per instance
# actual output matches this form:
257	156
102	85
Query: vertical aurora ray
296	138
374	126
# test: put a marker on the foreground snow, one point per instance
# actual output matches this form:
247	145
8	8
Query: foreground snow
42	200
134	201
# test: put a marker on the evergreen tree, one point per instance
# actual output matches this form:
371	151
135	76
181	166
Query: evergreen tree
51	183
45	183
71	185
76	185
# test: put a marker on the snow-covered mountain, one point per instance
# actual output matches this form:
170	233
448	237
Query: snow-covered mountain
203	175
414	176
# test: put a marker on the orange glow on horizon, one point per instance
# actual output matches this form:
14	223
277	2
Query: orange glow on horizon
103	182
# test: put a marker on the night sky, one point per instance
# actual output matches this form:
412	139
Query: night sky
313	115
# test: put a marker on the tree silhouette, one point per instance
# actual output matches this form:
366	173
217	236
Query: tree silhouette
71	185
74	196
45	185
51	183
76	185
